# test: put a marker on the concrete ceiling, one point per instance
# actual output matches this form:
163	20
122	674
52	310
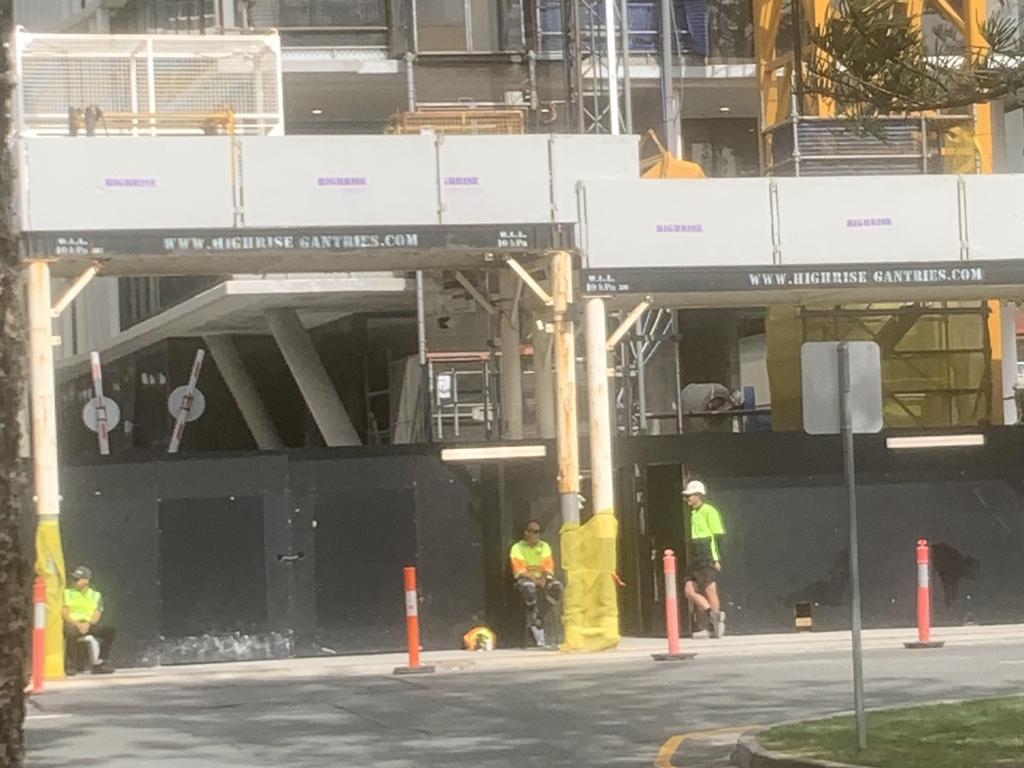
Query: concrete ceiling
237	307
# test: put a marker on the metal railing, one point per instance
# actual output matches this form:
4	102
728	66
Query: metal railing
836	146
459	122
149	80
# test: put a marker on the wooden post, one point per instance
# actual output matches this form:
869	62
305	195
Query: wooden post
42	392
565	385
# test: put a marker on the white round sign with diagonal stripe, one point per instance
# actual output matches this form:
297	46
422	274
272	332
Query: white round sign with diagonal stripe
177	398
90	414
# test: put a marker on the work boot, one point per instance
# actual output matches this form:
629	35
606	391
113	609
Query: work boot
102	668
717	624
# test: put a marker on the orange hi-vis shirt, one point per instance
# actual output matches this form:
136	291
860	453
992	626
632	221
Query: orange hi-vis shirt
532	560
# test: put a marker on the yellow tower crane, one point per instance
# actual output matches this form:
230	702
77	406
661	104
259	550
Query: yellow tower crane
777	62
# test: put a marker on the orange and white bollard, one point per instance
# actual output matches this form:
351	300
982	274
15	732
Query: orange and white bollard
671	613
39	635
412	627
924	600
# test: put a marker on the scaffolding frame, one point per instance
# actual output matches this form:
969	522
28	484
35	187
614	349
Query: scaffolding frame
896	323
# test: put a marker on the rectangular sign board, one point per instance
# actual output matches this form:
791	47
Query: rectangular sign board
788	279
285	240
819	372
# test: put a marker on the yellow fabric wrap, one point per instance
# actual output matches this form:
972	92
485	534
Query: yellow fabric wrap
591	610
50	565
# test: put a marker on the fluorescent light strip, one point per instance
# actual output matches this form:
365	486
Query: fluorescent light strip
935	441
495	453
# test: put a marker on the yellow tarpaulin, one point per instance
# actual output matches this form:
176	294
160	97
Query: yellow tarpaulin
591	613
50	565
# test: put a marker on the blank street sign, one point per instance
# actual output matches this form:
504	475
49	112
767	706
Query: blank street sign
819	371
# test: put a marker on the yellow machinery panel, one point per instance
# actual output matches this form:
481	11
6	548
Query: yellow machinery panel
937	360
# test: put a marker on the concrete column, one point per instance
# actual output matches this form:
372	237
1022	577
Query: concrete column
101	21
311	376
511	361
226	17
243	389
544	383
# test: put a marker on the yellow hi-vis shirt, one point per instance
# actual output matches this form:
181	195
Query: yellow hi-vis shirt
705	528
532	560
82	605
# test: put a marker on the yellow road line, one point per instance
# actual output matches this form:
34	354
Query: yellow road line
668	750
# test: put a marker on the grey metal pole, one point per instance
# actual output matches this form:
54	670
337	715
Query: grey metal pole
849	473
627	83
667	99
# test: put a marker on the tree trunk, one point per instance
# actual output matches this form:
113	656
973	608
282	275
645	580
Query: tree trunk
14	576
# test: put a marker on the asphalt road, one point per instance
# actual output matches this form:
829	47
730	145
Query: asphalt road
636	714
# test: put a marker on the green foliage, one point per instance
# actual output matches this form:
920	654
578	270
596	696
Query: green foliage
873	60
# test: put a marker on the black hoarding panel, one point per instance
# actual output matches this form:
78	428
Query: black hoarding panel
212	566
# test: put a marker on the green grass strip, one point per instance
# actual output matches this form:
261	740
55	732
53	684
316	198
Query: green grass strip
976	734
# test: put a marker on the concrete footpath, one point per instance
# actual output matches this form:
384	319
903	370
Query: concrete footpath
461	662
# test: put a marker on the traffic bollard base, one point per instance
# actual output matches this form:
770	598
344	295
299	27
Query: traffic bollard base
423	669
929	644
673	656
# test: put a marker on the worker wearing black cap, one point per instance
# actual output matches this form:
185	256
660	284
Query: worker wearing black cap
83	614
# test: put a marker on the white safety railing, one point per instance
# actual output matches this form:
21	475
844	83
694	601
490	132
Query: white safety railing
150	84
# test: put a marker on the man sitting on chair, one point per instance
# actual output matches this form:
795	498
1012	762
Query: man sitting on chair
83	612
533	568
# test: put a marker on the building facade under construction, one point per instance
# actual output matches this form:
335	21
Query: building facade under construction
334	242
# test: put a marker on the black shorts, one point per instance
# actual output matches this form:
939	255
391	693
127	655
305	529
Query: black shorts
703	576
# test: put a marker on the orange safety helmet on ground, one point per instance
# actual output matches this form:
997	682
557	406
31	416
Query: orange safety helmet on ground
479	638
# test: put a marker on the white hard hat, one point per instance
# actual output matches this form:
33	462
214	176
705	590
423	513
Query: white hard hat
695	487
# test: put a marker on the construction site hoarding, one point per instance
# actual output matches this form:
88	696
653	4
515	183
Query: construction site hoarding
191	183
994	216
324	181
660	223
490	179
850	220
805	239
575	158
97	184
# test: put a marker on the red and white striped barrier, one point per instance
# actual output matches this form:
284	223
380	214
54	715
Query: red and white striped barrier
39	635
924	599
102	426
186	403
412	627
671	613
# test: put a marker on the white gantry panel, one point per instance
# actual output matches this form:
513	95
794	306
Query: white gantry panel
575	158
994	208
677	223
494	180
340	181
113	183
856	220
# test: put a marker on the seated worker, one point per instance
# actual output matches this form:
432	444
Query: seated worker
533	568
83	612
